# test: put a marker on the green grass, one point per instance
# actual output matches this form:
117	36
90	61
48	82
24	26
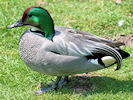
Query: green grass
100	17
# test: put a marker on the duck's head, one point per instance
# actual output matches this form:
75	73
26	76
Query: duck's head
39	18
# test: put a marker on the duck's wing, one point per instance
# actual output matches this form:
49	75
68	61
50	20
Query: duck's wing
78	43
90	36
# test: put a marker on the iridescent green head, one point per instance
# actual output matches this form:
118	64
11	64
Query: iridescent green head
37	17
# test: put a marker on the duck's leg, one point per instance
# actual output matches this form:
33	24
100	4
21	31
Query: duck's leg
52	86
66	79
63	82
57	83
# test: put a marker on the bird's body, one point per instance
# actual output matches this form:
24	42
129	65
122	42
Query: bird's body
63	51
53	58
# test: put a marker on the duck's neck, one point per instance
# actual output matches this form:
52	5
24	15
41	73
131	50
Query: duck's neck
49	31
48	27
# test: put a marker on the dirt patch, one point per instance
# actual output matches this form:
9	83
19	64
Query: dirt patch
80	84
127	39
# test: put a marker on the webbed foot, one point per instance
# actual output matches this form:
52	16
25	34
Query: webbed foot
53	86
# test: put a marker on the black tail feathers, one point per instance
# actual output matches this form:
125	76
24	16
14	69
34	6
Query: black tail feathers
123	54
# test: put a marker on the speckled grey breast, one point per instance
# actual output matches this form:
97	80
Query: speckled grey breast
28	46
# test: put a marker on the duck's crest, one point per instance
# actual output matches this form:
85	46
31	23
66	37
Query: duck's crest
30	9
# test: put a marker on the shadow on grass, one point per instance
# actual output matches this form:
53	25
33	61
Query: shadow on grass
97	84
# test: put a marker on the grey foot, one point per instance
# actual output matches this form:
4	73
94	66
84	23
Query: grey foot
51	87
38	92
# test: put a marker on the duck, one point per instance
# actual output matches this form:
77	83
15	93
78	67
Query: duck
63	51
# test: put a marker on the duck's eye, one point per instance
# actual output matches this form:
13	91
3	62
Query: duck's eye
29	15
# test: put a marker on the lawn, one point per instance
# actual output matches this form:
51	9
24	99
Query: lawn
100	17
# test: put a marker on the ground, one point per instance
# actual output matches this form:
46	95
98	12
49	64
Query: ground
126	39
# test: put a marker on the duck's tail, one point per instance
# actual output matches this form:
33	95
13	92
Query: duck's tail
109	60
123	54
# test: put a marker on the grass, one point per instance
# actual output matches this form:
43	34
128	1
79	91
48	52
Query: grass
100	17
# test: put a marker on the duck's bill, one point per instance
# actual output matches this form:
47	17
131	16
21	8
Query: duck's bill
16	24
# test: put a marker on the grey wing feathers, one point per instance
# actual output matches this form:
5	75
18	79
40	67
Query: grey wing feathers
92	37
85	43
95	47
111	52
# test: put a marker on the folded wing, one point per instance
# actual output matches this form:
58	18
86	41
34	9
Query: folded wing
78	43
